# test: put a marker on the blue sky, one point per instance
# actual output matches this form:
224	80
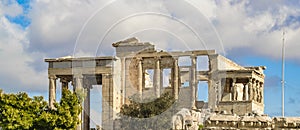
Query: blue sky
248	32
21	19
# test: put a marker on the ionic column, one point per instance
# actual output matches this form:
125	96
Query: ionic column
52	90
175	80
64	85
140	77
161	80
157	77
193	84
107	101
78	86
123	79
86	116
211	94
78	81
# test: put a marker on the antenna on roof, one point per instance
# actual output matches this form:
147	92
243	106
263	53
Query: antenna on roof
282	71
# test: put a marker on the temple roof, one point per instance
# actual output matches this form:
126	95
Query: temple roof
130	42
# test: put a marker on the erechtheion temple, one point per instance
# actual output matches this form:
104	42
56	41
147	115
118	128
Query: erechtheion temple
235	93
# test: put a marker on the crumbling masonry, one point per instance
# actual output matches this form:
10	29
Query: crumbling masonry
232	88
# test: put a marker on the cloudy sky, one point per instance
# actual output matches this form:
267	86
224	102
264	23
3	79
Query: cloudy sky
248	32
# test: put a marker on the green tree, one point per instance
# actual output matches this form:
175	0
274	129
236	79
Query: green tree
19	111
68	110
156	114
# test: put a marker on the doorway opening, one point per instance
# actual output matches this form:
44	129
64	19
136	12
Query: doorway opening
96	106
202	91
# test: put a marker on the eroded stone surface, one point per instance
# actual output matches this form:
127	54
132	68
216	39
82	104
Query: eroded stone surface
234	91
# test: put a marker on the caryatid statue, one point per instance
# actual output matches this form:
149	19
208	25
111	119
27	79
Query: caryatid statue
261	92
235	92
250	88
258	91
254	92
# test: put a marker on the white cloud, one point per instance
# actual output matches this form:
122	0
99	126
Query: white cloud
15	73
10	8
260	32
55	26
259	23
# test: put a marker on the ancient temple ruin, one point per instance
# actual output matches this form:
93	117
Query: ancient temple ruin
232	88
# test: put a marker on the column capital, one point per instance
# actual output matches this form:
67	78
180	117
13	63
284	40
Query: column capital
80	76
157	58
257	81
139	58
88	85
106	75
175	57
157	62
253	80
233	80
52	76
193	56
175	62
64	79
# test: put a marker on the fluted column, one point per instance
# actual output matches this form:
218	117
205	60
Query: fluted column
86	116
157	77
193	84
140	77
176	78
211	94
107	101
64	85
78	81
78	86
52	90
161	80
123	79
